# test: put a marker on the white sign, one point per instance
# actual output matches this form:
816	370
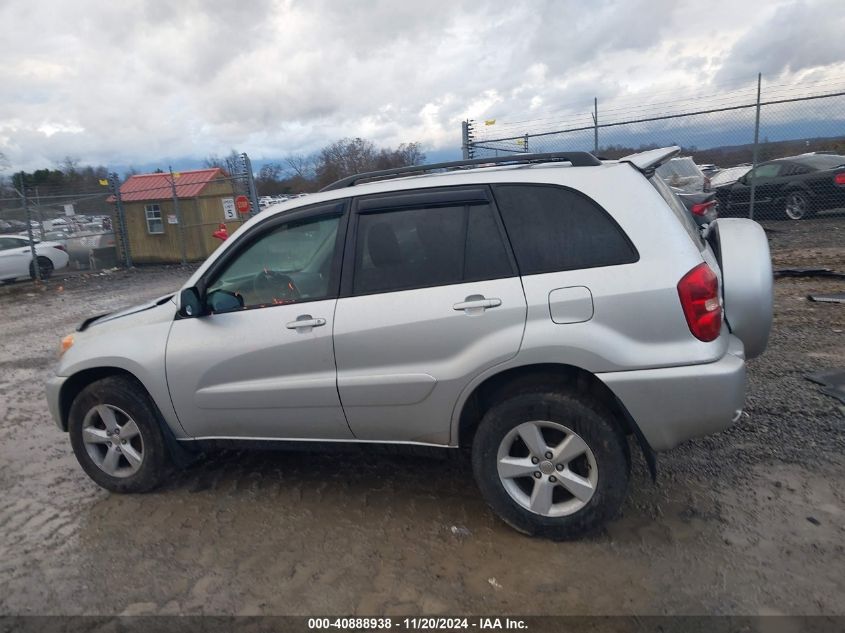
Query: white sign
69	209
229	211
171	219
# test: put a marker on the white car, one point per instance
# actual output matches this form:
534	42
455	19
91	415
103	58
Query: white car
16	258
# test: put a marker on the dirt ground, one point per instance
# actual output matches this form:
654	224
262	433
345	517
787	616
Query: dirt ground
749	521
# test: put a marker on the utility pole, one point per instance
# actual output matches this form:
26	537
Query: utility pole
35	267
756	145
595	125
121	219
178	212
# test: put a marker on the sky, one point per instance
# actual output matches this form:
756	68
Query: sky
151	82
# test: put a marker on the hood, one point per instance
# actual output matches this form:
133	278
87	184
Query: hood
100	319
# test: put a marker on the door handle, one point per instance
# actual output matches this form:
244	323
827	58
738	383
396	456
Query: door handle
305	322
475	304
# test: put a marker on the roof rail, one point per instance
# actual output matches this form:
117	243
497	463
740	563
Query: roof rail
578	159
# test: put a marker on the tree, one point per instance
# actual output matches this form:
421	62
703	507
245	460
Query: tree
350	156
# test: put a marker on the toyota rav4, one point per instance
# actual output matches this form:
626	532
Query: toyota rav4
537	310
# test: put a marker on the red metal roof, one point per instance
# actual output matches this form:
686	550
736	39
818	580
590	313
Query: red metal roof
158	186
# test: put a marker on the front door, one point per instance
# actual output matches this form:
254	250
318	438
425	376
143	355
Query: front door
15	257
260	363
431	298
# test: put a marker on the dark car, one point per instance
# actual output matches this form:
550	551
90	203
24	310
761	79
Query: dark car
702	205
795	187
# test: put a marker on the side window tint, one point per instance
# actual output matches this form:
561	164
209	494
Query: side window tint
290	263
553	229
417	248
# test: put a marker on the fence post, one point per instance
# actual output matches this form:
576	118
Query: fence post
595	125
178	212
465	139
250	184
525	148
121	219
28	212
755	152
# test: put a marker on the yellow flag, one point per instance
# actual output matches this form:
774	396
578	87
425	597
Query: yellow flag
490	122
176	174
520	141
104	182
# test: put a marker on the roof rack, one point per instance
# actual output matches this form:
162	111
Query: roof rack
577	159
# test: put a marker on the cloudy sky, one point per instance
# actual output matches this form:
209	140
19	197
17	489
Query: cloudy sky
146	82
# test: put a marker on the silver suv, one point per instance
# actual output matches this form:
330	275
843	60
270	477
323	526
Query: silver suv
536	310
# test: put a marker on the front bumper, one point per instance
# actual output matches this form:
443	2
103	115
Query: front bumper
54	388
674	404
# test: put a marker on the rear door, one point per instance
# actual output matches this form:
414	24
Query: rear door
430	298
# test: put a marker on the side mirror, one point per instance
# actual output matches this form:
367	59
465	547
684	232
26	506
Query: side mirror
224	301
190	304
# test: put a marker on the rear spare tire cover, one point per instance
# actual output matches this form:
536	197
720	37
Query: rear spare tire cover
743	252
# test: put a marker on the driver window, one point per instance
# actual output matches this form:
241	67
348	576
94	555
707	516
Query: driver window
766	171
289	264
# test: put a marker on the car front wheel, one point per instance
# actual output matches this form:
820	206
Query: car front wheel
551	464
116	437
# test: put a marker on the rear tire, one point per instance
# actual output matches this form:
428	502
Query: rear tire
797	205
45	266
579	488
116	436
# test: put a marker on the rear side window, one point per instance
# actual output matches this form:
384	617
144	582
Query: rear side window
678	209
419	248
552	228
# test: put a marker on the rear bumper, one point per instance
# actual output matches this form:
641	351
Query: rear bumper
54	388
673	404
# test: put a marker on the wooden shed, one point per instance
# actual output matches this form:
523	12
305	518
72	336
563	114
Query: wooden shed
158	229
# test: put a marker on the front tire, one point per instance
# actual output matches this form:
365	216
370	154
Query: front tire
551	464
116	436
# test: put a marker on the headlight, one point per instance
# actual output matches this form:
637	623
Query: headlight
67	343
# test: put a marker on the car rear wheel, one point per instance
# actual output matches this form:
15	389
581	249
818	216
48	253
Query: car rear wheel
797	205
551	464
45	267
116	437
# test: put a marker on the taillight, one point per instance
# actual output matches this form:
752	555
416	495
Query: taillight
699	293
59	247
839	178
702	207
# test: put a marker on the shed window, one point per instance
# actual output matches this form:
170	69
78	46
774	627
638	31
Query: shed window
154	223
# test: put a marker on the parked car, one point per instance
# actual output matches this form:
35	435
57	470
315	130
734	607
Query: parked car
794	188
682	173
728	176
538	317
16	258
702	205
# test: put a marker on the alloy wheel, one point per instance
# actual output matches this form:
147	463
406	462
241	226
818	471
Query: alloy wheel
796	206
547	468
113	440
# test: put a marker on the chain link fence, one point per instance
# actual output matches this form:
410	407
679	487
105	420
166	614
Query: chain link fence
727	144
46	230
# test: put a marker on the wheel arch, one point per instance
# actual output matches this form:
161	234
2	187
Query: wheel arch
81	379
501	385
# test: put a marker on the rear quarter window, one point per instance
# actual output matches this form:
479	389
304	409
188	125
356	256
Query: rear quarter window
552	228
678	209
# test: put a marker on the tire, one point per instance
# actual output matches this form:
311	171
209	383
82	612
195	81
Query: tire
112	403
45	265
797	205
563	419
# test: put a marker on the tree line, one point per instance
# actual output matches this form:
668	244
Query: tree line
306	173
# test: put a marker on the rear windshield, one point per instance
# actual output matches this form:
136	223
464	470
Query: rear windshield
822	161
678	209
684	167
